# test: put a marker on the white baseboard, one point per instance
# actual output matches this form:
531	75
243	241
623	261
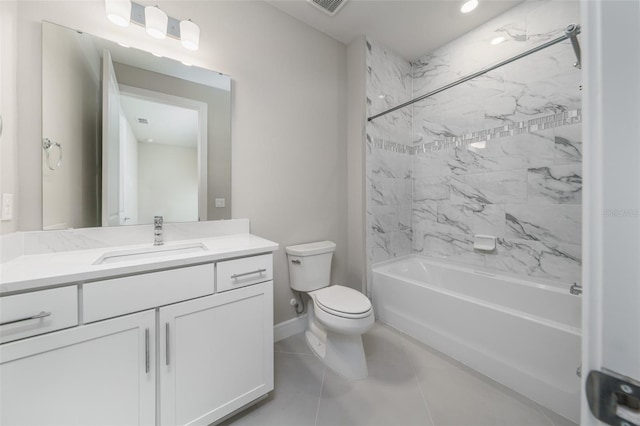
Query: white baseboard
290	327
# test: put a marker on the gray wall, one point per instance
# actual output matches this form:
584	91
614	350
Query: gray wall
8	109
289	152
356	71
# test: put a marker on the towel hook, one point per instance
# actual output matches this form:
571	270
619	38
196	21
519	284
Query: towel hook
46	145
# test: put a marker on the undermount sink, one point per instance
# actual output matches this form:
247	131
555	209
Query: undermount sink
148	253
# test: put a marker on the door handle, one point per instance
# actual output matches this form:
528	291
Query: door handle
147	351
167	344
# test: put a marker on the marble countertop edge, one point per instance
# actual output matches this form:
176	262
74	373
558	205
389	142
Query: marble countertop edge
41	271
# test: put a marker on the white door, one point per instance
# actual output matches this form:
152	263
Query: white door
112	204
216	354
98	374
611	314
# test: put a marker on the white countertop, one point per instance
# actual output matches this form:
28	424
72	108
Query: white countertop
32	272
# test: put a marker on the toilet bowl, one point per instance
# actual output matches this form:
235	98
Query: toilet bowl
337	315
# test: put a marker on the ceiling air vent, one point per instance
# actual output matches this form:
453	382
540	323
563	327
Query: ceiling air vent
143	121
330	7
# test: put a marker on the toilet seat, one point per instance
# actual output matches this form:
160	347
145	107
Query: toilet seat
342	302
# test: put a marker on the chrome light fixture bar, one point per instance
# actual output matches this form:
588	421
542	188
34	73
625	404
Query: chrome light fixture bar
153	20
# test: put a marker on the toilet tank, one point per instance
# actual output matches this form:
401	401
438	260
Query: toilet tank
310	265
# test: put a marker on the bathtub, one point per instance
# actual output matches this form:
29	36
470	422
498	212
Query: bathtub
522	333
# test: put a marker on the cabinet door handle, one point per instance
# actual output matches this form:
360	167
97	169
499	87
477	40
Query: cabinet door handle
42	314
257	271
147	352
167	344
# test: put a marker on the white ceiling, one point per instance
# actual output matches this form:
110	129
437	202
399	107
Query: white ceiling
168	124
411	28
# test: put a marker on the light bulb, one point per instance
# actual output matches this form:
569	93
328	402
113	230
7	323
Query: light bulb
156	22
118	11
189	35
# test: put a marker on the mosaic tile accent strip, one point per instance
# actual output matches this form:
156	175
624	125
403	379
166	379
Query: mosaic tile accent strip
530	126
391	146
566	118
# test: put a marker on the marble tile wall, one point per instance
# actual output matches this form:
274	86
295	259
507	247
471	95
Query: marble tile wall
498	155
388	158
501	154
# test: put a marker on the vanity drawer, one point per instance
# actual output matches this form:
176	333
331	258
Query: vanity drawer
120	296
242	272
30	314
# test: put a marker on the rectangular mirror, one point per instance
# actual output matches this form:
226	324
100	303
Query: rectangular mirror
127	135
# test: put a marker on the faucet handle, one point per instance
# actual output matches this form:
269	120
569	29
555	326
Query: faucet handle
157	220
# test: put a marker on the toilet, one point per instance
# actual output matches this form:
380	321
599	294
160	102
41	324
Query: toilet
337	315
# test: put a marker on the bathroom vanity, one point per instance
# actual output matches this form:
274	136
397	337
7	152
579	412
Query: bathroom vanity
173	335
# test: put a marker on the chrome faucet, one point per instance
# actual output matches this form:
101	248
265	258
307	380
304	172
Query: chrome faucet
576	289
157	231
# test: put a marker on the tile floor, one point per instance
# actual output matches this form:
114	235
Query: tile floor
408	384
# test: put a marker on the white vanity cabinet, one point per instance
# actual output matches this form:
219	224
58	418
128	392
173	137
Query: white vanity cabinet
216	354
164	346
102	373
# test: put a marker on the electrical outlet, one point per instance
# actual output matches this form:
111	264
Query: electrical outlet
220	202
7	206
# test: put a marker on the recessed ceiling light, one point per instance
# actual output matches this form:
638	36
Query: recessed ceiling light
381	96
468	6
498	40
148	140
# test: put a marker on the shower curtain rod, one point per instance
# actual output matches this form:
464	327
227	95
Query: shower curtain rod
570	33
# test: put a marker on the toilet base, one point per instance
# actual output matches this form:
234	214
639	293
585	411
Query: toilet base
343	354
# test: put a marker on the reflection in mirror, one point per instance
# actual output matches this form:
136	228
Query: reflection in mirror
141	135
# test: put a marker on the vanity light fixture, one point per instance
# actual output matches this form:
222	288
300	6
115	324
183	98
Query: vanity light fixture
119	11
156	22
468	6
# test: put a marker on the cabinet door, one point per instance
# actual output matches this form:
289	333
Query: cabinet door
99	374
216	354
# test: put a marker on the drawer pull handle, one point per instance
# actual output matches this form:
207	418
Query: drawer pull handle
42	314
257	271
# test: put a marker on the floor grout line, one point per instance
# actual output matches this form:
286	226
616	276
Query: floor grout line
424	399
293	353
417	380
324	370
551	422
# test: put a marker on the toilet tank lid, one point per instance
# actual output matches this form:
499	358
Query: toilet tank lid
311	249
